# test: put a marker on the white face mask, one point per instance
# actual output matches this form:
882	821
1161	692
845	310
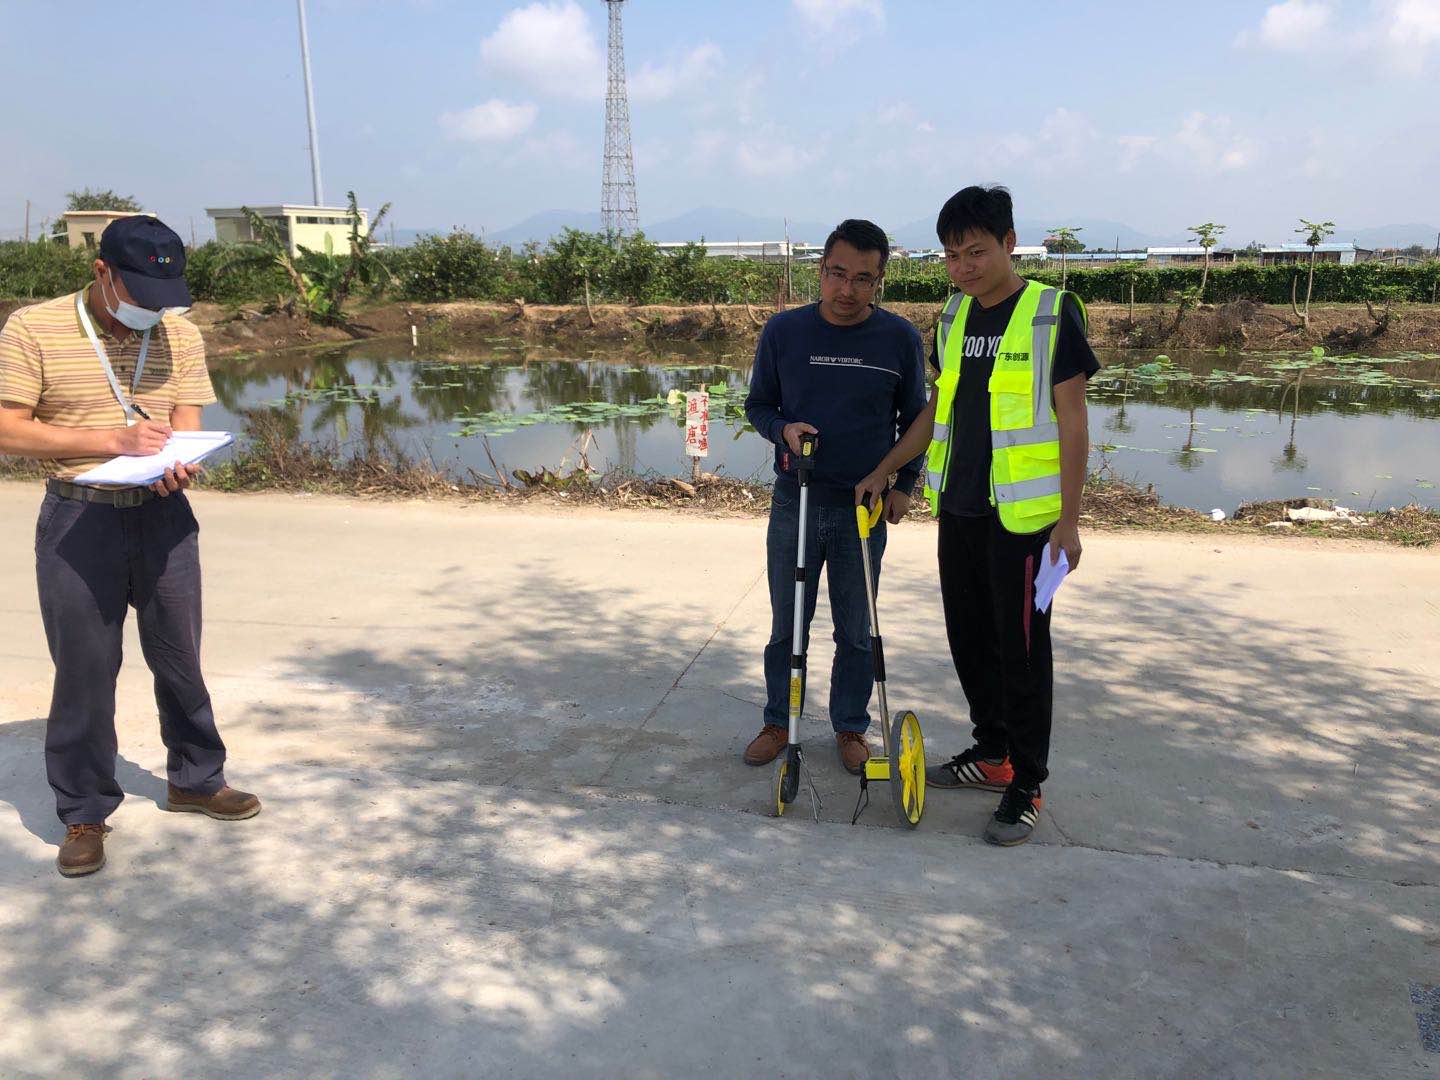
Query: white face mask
136	318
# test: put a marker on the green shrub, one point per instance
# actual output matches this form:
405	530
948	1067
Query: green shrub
39	271
459	266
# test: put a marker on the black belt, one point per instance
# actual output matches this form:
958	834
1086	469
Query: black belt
121	498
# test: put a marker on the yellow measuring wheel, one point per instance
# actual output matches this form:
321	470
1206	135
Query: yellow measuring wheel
903	764
907	768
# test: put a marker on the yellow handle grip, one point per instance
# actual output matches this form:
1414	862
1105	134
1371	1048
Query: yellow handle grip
868	519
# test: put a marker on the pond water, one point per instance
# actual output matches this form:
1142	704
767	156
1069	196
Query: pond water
1206	429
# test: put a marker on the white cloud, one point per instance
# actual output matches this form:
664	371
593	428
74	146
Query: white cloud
1408	30
1414	22
1067	138
1201	142
658	82
550	47
1399	34
763	154
494	121
768	154
903	115
1134	148
839	23
557	148
1212	140
1292	26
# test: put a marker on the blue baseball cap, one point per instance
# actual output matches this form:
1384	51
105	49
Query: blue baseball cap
150	259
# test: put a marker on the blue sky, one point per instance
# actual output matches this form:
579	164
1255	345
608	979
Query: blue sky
480	113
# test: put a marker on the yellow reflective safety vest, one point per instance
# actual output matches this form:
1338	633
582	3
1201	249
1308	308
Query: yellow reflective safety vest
1024	433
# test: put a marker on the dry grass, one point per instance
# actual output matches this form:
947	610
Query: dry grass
274	458
1408	526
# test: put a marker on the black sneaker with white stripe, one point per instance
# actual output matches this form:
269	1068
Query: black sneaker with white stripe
971	769
1014	820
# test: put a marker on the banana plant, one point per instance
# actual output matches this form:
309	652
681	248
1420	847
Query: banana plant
321	281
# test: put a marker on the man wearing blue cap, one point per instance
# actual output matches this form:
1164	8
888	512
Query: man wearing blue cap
110	371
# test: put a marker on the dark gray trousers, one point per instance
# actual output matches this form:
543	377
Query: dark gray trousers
92	562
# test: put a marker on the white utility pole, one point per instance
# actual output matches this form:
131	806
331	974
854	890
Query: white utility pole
310	109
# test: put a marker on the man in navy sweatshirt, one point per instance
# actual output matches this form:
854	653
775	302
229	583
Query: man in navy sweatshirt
853	375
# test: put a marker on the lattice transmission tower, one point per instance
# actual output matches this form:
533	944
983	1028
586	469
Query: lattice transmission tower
617	190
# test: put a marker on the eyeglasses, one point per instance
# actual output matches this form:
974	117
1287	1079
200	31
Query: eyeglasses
861	282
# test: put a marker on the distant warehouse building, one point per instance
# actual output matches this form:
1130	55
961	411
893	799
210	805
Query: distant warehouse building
1026	252
298	226
1191	255
752	250
1099	258
1347	254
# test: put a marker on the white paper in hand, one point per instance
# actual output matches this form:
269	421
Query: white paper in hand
186	447
1047	581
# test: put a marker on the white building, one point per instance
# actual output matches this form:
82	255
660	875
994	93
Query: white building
82	228
1346	254
299	226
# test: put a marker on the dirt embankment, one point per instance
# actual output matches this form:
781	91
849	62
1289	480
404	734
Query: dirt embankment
1247	326
1243	325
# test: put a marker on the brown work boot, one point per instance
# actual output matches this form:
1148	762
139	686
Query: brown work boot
766	746
854	750
83	850
227	804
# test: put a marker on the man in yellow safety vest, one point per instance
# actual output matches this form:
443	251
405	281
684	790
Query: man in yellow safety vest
1008	445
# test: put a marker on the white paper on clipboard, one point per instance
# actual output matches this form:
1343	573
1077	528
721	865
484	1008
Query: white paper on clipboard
186	447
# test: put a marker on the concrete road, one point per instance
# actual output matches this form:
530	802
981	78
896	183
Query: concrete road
507	831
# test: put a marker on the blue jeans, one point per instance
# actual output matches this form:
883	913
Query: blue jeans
833	541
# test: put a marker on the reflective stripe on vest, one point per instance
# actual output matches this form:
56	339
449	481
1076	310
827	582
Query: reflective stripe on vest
1032	436
1024	432
947	319
1022	490
937	456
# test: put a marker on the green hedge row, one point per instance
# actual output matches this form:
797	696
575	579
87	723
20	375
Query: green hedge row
461	266
1265	284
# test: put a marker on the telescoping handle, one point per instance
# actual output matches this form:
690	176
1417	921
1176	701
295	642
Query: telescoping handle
805	460
867	519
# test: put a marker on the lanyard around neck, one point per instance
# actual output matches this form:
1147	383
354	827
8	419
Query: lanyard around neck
125	403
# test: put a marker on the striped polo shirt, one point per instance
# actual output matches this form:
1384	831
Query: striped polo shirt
48	363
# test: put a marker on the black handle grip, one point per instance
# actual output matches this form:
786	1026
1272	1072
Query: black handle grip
805	460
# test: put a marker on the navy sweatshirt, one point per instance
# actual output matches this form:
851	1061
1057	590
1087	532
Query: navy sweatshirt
861	386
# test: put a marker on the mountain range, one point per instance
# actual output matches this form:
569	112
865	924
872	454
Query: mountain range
716	223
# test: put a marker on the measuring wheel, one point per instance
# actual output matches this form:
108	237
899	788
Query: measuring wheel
907	768
784	787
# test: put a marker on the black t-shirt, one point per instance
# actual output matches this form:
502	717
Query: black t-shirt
967	491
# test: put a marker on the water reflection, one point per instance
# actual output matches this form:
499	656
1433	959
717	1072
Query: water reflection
1206	430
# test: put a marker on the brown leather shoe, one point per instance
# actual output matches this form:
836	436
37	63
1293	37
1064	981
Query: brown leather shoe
227	804
83	850
766	746
854	750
